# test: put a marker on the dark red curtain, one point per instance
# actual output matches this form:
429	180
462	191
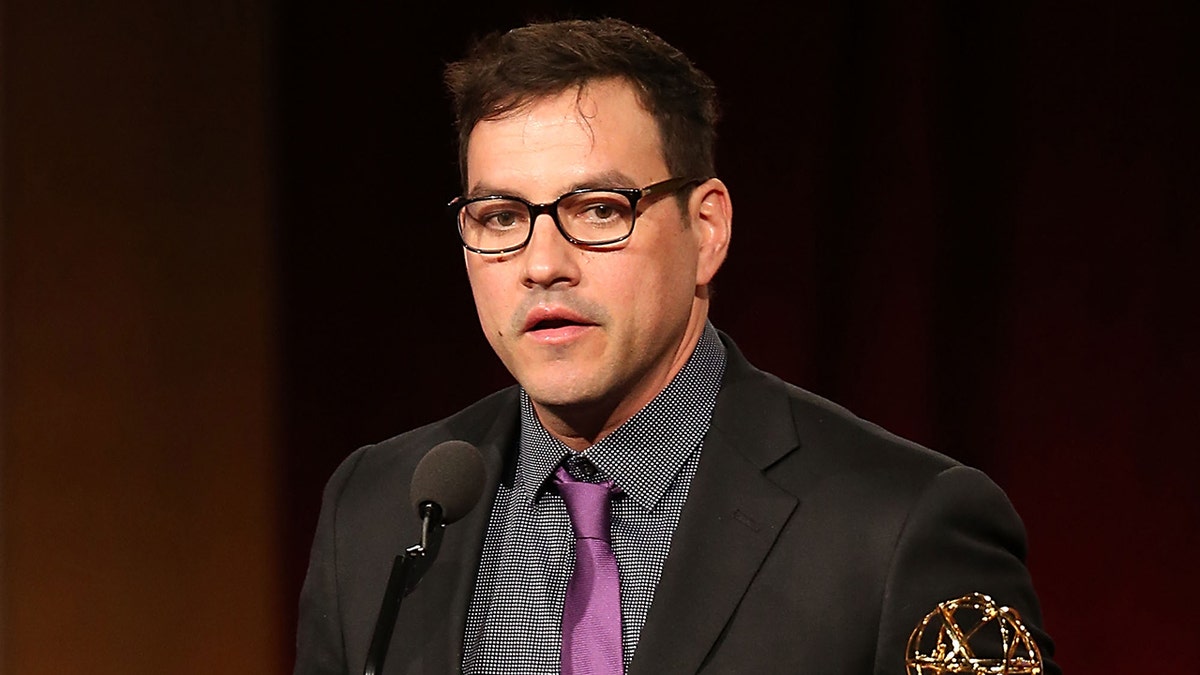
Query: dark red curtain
975	225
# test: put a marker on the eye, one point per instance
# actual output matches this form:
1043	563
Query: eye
501	219
602	211
497	214
597	209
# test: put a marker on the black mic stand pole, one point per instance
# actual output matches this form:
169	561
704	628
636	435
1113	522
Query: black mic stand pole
407	570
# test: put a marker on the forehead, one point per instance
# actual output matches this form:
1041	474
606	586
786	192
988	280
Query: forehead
600	128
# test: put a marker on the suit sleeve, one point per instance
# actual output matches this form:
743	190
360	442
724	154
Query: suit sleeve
961	537
319	646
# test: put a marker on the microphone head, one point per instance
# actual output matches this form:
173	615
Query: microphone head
450	475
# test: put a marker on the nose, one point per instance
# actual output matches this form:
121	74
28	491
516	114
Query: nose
549	259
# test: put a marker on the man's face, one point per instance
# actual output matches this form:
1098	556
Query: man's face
588	332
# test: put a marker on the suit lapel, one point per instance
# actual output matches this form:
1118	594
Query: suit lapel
732	518
730	523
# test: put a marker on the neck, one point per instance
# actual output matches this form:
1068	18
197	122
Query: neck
581	425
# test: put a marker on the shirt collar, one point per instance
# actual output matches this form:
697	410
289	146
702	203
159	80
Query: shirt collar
643	455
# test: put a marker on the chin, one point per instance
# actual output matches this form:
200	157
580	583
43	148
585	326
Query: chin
560	393
556	397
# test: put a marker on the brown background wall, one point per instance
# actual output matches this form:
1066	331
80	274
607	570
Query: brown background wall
140	491
224	265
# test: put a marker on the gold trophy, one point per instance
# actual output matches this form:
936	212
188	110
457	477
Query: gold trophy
972	635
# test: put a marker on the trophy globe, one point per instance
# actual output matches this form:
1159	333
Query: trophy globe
972	635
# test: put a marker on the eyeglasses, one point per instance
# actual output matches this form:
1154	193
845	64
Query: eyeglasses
589	217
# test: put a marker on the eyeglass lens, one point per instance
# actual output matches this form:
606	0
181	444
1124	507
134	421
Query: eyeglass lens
591	217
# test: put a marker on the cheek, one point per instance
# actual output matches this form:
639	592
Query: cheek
670	269
652	289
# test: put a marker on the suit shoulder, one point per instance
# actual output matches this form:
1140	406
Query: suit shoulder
822	443
470	424
789	422
380	463
850	438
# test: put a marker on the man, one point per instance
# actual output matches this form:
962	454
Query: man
755	527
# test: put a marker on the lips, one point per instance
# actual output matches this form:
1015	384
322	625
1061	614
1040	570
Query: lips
554	320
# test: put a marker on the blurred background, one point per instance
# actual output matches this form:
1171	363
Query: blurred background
224	265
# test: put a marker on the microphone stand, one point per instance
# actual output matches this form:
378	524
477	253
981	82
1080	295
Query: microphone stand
407	570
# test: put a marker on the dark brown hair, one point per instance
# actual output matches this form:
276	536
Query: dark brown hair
504	72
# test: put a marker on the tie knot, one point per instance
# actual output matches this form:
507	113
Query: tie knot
588	504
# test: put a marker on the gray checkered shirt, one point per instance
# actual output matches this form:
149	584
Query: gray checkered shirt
513	623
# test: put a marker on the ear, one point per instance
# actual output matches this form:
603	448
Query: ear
712	220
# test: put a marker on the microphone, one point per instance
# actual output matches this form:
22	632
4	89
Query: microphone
450	477
446	484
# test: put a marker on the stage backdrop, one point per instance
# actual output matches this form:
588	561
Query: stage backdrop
224	265
975	226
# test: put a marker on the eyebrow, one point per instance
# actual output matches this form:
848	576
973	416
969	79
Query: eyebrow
605	179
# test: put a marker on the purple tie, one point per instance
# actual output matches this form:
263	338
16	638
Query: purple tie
591	624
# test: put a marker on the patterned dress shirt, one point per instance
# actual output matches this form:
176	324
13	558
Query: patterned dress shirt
513	623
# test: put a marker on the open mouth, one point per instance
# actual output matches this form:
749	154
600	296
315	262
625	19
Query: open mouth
550	318
552	324
555	324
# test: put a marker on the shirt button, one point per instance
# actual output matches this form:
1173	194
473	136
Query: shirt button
586	470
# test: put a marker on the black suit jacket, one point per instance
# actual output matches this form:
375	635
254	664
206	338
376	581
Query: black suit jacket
811	542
